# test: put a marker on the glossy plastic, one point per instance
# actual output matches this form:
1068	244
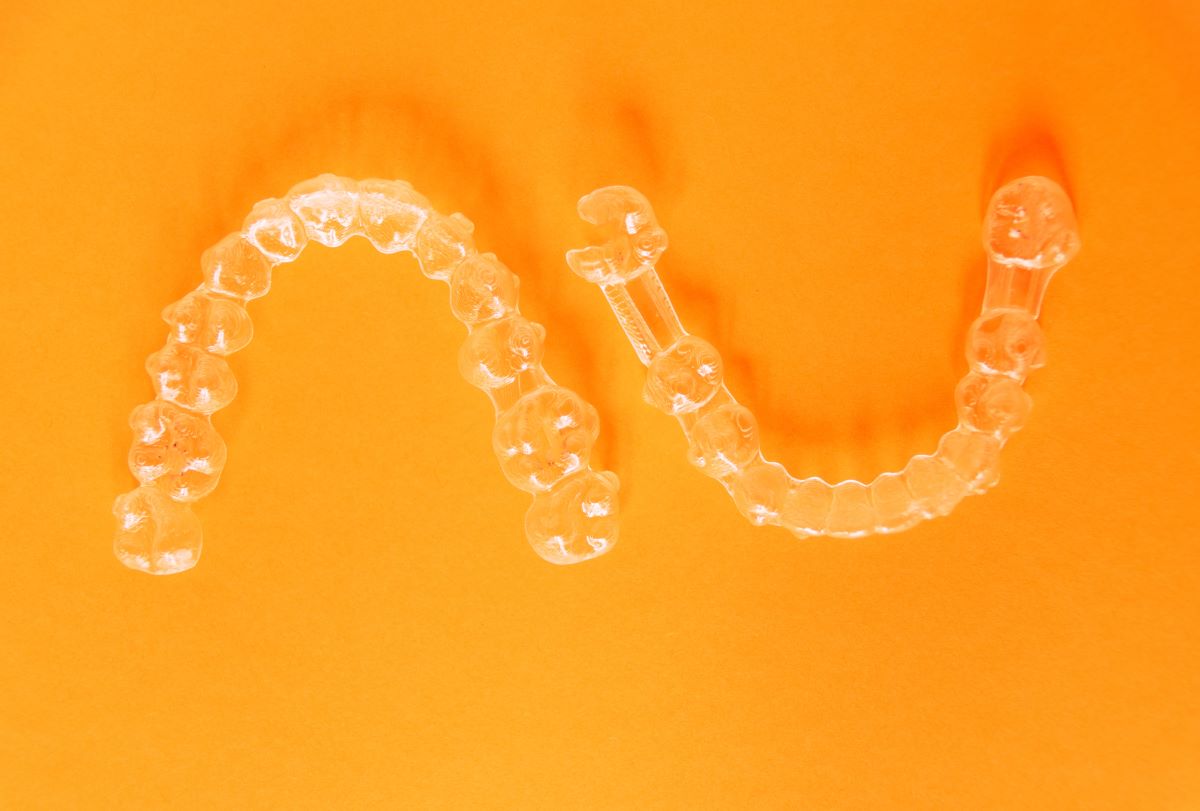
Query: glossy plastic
1029	234
544	433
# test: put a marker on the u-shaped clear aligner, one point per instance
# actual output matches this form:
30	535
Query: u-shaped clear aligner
1029	233
543	435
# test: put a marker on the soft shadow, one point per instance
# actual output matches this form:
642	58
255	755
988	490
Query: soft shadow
871	434
622	142
1027	147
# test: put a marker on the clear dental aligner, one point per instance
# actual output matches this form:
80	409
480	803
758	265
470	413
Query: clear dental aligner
543	435
1029	233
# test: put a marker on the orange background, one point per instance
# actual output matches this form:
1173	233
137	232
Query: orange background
368	629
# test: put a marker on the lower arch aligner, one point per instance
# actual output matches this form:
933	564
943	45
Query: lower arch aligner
1029	233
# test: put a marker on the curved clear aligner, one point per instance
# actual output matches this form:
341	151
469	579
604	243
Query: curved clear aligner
1029	233
543	436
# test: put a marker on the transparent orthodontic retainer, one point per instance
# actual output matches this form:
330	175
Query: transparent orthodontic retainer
1029	233
543	434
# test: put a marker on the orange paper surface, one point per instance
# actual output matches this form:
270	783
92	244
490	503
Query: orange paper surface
368	628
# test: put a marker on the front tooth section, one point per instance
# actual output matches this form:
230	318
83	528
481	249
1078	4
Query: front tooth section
392	213
275	230
806	507
851	512
895	509
328	207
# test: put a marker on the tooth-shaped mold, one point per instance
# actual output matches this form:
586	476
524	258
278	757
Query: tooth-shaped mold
1006	342
935	487
851	512
1030	223
233	267
895	508
544	437
633	242
482	289
495	354
992	404
276	230
392	213
444	242
806	507
684	376
576	520
544	433
973	456
191	378
178	450
155	534
724	440
328	207
760	490
1029	233
217	325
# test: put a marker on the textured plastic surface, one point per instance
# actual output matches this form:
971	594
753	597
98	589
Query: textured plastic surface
1029	233
544	433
